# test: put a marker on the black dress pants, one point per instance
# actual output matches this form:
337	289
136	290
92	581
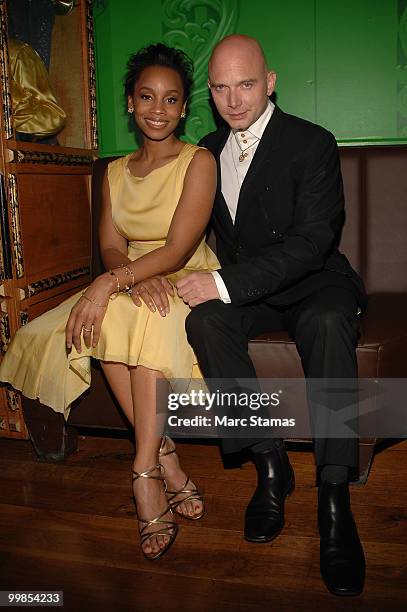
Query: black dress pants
324	326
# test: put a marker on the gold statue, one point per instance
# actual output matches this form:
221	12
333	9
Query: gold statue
35	108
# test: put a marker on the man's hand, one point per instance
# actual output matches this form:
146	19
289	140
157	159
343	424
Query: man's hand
153	292
197	288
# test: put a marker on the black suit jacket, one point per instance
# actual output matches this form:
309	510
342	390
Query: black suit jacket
289	216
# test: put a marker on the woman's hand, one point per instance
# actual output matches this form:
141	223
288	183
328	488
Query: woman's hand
153	291
88	313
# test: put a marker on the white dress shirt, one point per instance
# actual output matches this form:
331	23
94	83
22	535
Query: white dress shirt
240	143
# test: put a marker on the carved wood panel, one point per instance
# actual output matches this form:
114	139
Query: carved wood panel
45	220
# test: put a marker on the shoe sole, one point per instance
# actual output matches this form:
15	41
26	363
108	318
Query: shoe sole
263	540
344	593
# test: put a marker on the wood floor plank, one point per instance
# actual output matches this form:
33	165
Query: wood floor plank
110	588
73	526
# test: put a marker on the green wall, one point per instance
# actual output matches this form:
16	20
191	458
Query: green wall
339	63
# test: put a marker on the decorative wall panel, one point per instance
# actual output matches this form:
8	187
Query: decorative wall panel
195	27
340	64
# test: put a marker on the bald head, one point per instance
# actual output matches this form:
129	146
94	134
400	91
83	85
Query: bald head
239	80
238	45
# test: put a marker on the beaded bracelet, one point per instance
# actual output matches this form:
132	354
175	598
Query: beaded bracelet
129	272
116	293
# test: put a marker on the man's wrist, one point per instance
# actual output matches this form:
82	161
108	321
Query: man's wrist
221	287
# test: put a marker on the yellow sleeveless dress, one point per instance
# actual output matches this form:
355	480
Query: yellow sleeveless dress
36	362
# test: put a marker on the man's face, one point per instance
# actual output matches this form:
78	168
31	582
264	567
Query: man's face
240	86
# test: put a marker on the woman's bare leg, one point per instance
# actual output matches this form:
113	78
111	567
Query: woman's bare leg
149	493
135	390
144	388
118	377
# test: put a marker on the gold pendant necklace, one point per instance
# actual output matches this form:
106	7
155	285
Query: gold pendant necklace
243	154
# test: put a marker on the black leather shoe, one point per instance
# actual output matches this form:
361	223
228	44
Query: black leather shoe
341	554
264	517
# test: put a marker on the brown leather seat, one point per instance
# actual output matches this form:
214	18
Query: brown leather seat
380	352
374	240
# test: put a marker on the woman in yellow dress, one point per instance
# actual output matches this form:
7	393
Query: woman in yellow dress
156	205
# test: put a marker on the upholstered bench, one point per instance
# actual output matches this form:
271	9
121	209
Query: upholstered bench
375	241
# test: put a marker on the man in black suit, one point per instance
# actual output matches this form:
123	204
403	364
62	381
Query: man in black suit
277	218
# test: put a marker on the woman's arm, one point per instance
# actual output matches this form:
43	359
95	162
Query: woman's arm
186	230
188	224
113	246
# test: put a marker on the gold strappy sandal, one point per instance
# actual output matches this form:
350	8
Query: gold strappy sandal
189	494
170	528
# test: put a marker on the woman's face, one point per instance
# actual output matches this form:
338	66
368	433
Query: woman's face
158	101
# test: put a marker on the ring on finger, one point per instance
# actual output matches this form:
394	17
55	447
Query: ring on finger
86	329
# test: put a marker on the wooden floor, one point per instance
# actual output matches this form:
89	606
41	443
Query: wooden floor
72	527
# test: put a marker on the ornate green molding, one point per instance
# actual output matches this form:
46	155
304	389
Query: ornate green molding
195	26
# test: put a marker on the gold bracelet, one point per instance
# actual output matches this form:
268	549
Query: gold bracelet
115	293
93	301
128	273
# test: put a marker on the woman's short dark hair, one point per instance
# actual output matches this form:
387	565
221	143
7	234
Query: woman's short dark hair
158	55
